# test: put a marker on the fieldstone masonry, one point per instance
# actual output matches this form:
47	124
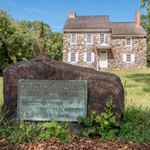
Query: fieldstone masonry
115	47
115	53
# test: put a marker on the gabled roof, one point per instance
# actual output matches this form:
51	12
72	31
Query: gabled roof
87	22
126	28
102	23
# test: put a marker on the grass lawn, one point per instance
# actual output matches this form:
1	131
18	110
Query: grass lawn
136	84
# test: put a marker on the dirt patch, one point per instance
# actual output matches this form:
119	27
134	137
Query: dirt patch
79	144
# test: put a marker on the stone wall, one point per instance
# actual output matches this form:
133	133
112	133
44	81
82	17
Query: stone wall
115	54
115	58
81	47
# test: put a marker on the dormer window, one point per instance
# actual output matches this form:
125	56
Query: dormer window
102	38
73	38
128	41
89	38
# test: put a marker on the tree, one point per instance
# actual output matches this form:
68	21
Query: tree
6	32
25	40
146	24
145	3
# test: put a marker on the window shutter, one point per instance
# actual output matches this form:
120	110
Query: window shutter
76	57
69	57
132	58
93	57
124	57
85	56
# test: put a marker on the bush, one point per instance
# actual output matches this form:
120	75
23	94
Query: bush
105	124
135	125
54	129
26	132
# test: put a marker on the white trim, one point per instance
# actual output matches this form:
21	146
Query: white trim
106	60
105	35
92	57
125	58
129	62
77	57
91	39
85	56
69	58
71	39
132	58
126	41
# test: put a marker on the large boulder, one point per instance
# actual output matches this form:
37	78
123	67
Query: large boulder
102	86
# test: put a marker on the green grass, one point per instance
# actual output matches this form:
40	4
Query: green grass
137	86
135	125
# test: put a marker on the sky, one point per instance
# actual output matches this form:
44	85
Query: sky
55	12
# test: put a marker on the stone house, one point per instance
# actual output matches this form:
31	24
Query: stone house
95	42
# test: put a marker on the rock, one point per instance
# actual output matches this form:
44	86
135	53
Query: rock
102	86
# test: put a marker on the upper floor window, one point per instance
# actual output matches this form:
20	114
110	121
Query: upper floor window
102	38
73	57
88	38
128	41
73	38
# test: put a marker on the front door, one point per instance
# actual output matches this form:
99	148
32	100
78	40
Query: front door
103	62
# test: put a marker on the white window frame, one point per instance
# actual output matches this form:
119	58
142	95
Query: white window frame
130	55
71	37
87	39
76	57
132	58
92	57
126	45
100	38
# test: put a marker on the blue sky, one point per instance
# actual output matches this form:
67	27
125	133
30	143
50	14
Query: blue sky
54	12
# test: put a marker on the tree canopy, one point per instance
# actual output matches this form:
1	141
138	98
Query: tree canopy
146	24
21	40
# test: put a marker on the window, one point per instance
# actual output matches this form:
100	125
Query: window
89	57
102	38
129	58
128	41
88	38
73	39
72	57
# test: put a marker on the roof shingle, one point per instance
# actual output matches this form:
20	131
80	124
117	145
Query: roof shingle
88	22
102	23
126	28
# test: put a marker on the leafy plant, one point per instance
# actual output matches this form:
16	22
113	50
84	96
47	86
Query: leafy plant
24	133
105	124
54	129
135	125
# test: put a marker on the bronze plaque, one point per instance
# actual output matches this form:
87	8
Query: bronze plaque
59	100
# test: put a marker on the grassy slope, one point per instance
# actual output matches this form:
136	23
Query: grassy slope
136	84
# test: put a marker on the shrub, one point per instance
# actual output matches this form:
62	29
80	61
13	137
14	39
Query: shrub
24	133
54	129
135	125
105	124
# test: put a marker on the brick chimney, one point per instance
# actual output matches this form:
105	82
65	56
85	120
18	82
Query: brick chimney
72	15
138	19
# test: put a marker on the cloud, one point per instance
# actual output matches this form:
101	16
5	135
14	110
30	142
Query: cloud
42	12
